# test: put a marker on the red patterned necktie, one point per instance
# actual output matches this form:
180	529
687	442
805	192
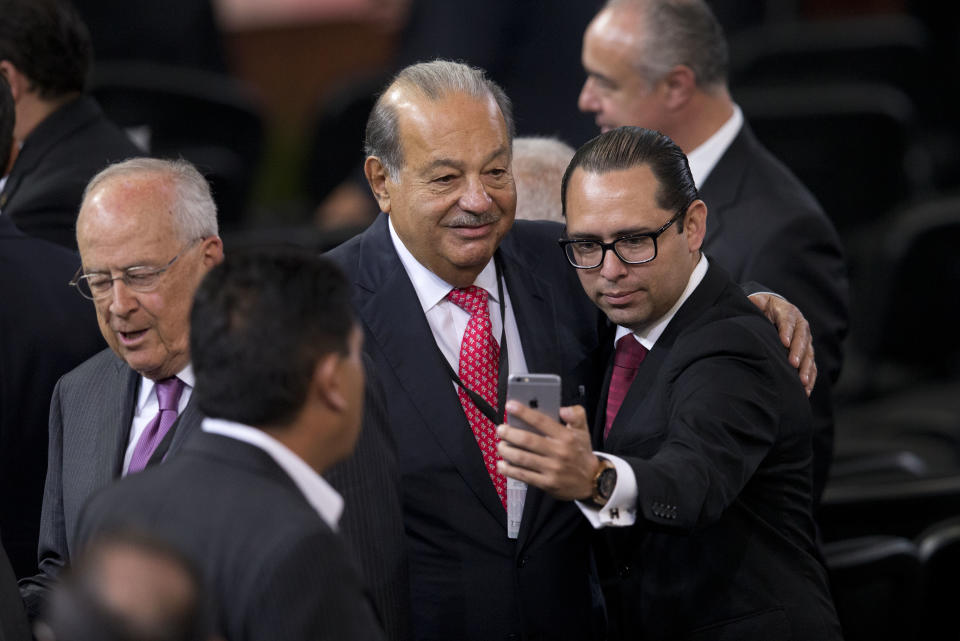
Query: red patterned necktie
630	353
479	369
168	398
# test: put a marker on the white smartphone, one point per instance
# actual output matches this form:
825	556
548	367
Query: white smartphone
537	391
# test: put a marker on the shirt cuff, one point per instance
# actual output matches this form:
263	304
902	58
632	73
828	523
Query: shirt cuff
621	509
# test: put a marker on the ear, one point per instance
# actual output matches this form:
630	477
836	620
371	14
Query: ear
679	87
377	178
19	83
326	384
695	225
212	251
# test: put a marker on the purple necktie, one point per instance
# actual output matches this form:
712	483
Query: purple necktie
168	397
630	353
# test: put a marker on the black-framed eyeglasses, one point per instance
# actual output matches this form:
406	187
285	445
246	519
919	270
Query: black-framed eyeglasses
139	278
633	249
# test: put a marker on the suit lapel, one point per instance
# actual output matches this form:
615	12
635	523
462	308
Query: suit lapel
534	309
700	300
118	429
722	187
388	305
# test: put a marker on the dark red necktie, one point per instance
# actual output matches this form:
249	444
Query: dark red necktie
630	353
479	368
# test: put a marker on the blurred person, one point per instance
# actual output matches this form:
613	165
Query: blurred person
62	134
128	586
280	378
147	232
702	479
46	333
13	620
662	64
538	166
478	297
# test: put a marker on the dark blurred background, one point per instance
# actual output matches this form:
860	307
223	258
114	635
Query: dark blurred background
859	97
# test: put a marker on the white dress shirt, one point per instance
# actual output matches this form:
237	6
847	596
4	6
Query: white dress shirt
448	322
705	157
325	500
148	405
621	508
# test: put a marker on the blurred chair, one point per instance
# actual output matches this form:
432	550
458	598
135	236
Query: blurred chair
875	582
905	279
206	118
892	49
852	145
335	148
905	508
939	552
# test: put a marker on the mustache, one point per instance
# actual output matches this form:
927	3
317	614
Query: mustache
471	219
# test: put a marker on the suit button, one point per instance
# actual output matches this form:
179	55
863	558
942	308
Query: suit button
522	561
623	571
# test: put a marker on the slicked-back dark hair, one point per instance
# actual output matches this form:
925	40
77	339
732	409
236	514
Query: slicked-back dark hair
629	147
260	322
48	42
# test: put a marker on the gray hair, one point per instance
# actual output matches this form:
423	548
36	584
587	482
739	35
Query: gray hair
434	80
538	166
680	32
194	212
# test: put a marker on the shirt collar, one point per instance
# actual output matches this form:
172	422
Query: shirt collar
147	386
649	336
431	289
322	497
705	157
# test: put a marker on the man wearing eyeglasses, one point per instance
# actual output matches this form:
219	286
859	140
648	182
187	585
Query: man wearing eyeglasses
147	234
698	466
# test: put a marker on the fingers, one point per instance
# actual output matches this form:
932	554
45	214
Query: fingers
808	372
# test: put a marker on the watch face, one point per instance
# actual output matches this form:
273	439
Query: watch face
606	482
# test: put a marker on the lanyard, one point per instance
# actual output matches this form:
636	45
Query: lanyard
495	416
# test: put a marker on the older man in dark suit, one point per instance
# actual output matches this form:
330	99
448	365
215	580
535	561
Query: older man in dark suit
454	296
147	233
62	135
280	378
662	64
702	484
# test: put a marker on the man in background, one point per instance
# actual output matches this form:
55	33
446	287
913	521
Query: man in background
538	166
61	135
662	64
45	331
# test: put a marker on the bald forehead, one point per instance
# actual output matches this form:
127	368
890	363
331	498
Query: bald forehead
129	199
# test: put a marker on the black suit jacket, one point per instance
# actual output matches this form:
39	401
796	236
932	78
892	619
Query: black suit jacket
43	192
763	225
46	329
13	622
716	428
468	580
90	416
372	521
275	569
